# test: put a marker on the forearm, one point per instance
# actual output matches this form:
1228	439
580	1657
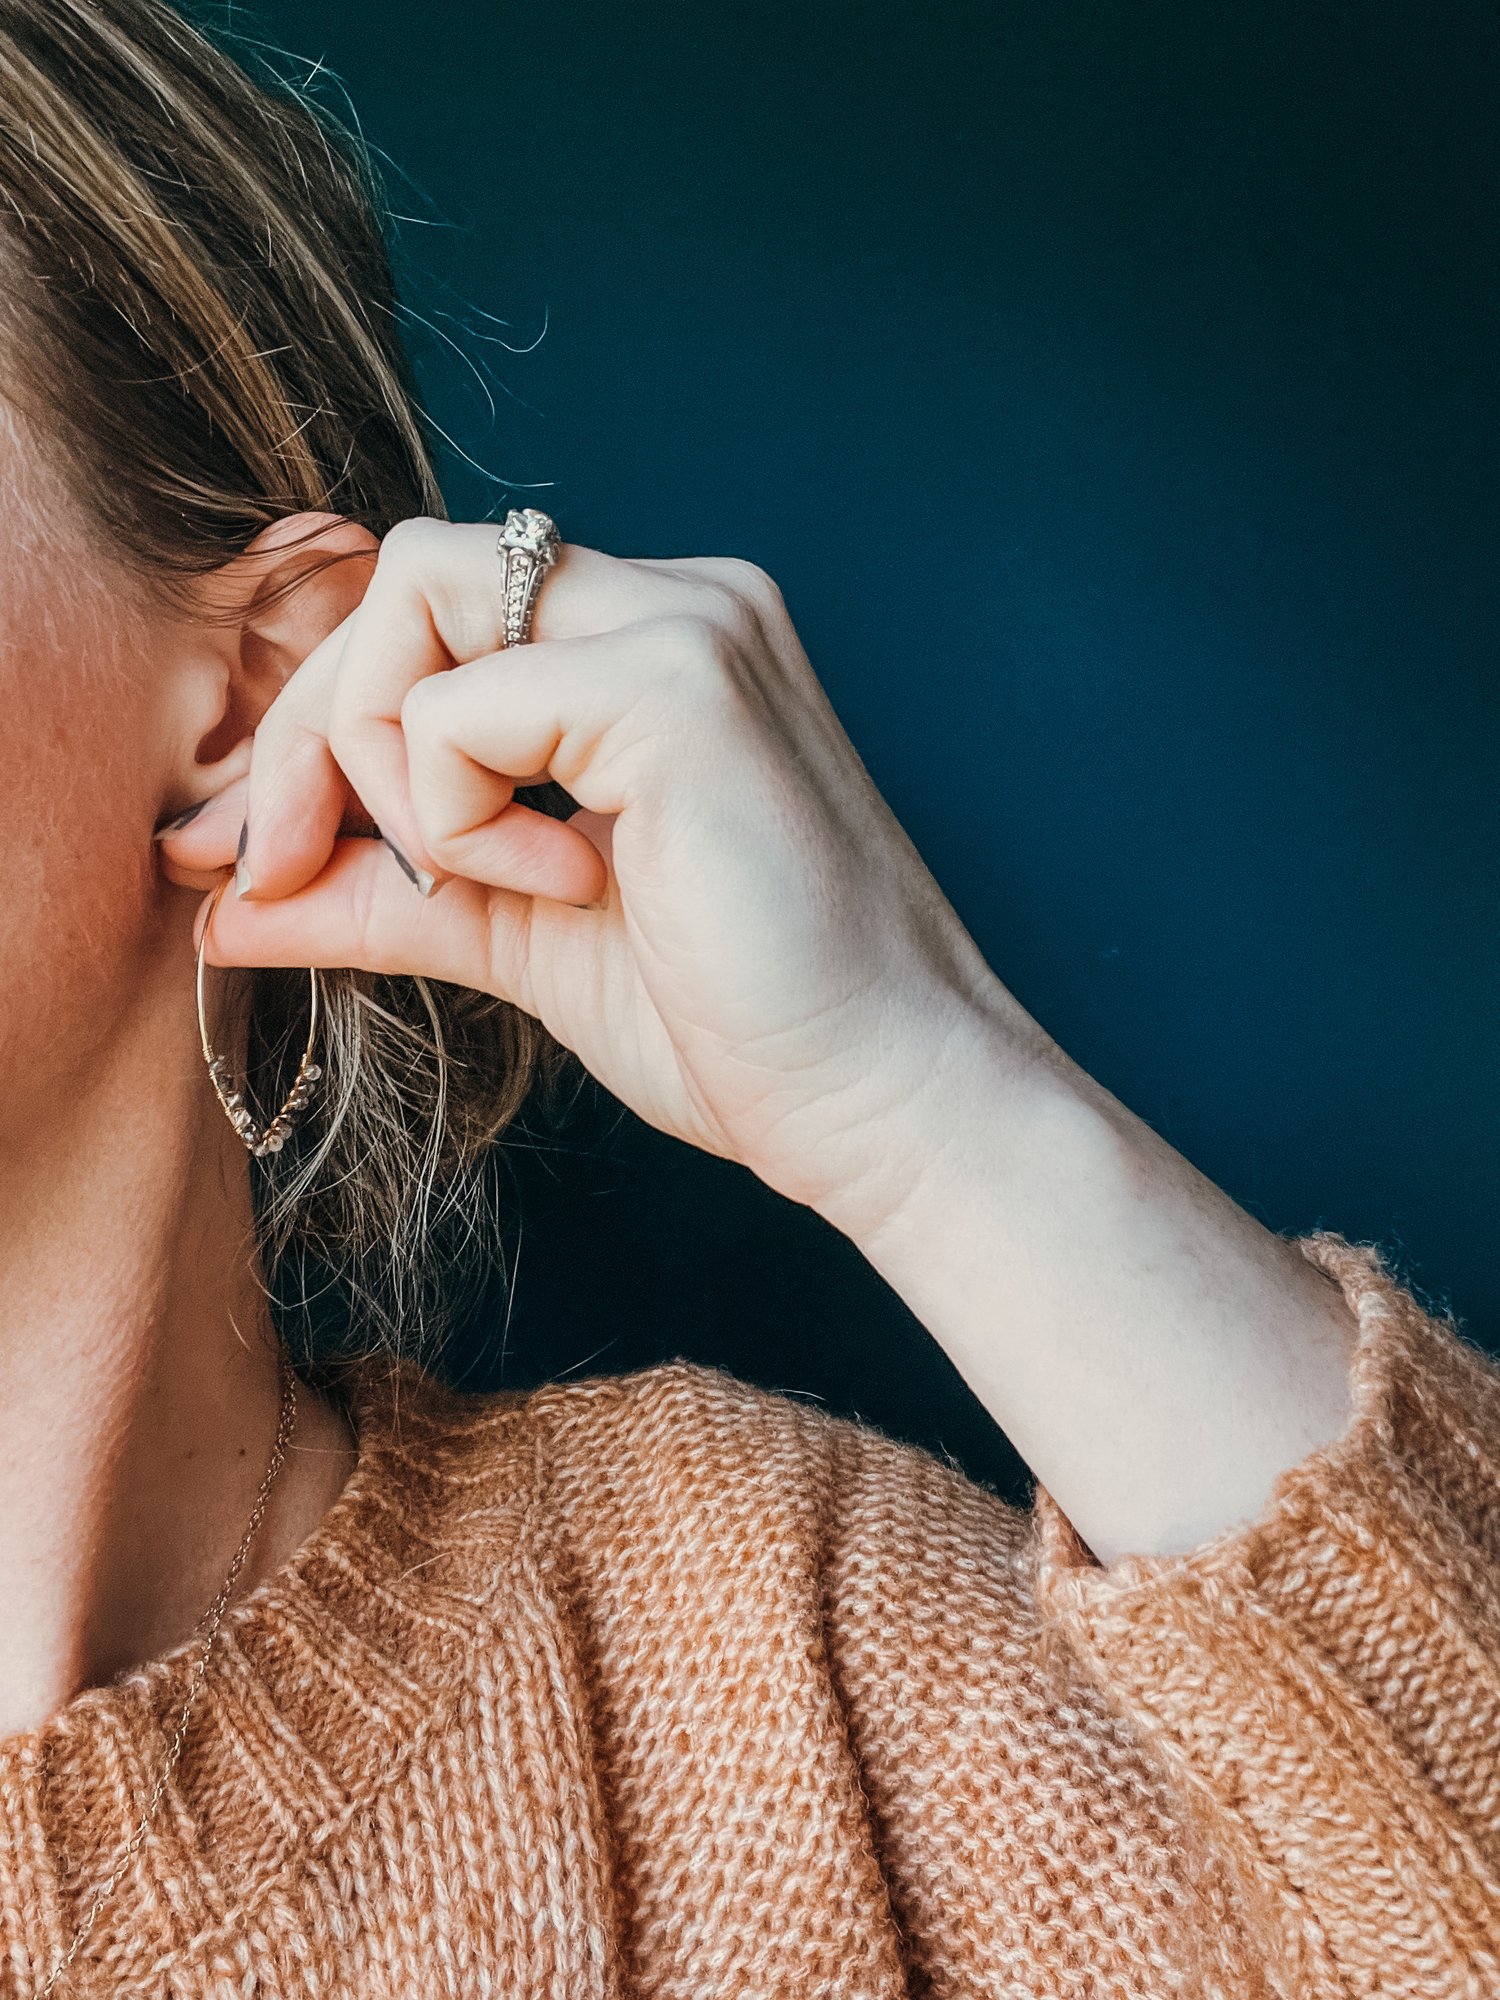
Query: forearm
1156	1355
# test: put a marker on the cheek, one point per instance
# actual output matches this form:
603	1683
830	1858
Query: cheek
77	878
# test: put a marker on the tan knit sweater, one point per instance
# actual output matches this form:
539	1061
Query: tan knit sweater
664	1685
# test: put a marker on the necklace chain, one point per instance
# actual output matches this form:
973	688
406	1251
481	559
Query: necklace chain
209	1624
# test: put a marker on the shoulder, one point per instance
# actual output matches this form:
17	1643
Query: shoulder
683	1481
682	1438
765	1603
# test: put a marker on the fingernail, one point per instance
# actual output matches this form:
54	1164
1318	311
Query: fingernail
241	872
176	825
419	878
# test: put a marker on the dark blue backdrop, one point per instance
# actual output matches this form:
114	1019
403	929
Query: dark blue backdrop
1163	337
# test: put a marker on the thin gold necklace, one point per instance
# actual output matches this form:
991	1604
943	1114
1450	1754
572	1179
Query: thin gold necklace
209	1624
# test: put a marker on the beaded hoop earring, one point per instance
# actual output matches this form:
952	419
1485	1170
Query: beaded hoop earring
260	1139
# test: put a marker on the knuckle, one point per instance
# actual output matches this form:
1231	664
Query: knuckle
691	641
421	703
737	593
700	663
408	543
726	612
748	589
750	582
345	734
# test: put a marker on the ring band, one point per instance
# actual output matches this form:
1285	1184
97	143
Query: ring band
528	547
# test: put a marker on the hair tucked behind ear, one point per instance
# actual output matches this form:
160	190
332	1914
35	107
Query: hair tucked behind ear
202	322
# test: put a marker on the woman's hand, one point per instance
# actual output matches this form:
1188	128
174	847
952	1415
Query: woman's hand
773	975
733	934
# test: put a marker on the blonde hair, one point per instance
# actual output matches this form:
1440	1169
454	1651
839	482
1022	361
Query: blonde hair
205	331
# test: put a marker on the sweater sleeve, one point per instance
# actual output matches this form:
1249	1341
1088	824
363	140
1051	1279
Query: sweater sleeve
1322	1684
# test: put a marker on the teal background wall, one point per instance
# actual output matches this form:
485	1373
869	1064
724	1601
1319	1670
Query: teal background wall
1165	336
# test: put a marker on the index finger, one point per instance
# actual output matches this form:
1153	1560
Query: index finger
297	798
435	601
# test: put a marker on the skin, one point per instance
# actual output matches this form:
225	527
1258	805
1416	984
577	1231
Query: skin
734	934
138	1397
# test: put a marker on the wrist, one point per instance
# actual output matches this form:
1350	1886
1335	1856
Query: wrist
1155	1354
961	1112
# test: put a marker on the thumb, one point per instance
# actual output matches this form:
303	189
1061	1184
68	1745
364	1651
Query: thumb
599	830
194	849
361	911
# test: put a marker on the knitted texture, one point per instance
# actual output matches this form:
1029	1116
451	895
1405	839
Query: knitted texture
664	1685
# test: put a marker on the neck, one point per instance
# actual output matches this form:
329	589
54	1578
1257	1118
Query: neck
139	1389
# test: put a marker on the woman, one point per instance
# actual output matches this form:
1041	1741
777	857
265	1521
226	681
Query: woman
657	1685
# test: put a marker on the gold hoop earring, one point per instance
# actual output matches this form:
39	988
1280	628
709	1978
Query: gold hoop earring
269	1138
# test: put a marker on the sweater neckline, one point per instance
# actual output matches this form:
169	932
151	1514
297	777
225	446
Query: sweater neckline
322	1677
367	1399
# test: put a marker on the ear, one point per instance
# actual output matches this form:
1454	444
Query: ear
267	608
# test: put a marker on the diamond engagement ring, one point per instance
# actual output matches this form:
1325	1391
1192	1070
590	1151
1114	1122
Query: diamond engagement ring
528	547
